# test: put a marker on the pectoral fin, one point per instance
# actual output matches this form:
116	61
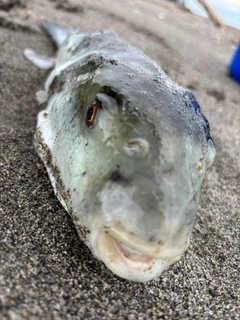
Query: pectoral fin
39	61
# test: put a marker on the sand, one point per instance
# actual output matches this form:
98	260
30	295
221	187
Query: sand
46	272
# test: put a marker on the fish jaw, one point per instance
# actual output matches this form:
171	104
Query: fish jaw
123	259
128	252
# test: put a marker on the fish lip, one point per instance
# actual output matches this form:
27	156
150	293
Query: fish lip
151	249
132	258
122	259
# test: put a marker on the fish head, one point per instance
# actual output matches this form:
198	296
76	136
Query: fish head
142	152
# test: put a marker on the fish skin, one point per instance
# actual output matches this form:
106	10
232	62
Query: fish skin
134	177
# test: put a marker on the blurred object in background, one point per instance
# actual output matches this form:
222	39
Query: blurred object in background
234	67
223	12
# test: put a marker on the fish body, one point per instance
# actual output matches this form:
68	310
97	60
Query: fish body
126	150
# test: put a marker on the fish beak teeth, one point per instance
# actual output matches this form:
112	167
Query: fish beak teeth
132	258
142	246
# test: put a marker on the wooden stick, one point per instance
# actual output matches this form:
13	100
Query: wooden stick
214	16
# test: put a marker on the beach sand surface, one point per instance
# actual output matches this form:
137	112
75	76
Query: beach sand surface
46	272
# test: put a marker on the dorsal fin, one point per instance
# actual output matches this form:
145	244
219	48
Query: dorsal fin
56	32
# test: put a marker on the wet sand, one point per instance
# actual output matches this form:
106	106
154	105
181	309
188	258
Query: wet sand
46	272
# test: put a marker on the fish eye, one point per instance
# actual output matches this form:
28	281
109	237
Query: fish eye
91	114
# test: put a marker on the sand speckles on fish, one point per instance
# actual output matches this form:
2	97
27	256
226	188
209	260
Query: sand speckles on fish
126	150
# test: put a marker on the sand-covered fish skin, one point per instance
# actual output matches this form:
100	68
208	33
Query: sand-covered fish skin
126	150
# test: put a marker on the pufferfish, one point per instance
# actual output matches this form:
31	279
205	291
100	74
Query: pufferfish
125	148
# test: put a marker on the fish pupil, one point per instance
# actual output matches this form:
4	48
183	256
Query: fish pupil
89	113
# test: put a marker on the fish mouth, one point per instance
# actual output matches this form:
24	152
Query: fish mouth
129	257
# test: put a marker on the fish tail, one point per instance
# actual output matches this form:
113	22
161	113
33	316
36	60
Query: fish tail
57	33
